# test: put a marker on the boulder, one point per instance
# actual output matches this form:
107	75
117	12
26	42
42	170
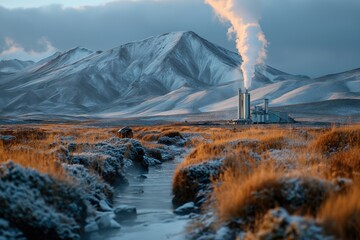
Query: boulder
152	161
125	212
154	153
104	206
186	209
91	227
107	221
125	132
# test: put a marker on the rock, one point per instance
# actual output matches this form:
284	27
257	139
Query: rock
104	206
167	156
142	176
167	141
125	132
187	208
106	221
152	161
154	153
177	141
125	212
278	224
91	227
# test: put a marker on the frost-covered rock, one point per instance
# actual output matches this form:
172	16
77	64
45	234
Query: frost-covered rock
92	226
278	224
193	183
38	206
152	161
125	132
107	221
154	153
187	208
125	212
177	141
104	206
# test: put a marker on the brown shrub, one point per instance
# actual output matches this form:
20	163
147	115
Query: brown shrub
273	142
346	164
338	139
171	134
38	147
249	197
340	215
183	188
193	183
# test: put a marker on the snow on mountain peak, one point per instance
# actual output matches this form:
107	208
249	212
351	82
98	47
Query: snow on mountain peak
177	72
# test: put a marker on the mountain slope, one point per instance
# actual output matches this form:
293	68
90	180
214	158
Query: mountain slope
13	66
174	73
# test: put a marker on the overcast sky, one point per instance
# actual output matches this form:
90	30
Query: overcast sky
312	37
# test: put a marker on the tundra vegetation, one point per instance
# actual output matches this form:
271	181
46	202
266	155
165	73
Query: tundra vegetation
57	181
241	182
272	182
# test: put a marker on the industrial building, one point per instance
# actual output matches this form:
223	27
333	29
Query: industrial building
260	114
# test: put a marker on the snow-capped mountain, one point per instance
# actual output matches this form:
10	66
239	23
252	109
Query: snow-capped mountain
13	66
174	73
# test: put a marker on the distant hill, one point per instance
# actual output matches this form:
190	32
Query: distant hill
174	73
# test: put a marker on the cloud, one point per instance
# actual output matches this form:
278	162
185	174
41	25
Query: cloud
305	36
250	39
14	50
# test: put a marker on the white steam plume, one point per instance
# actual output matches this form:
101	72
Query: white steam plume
250	40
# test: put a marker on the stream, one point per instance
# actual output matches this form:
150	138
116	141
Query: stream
152	198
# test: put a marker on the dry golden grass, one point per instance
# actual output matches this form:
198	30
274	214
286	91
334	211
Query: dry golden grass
338	139
309	153
36	146
223	141
249	194
340	215
30	148
339	149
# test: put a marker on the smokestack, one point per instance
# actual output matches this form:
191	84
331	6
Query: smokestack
246	106
240	104
266	105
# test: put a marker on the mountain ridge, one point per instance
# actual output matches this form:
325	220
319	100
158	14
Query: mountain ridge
178	72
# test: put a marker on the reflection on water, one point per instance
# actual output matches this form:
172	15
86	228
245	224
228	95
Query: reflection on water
152	199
